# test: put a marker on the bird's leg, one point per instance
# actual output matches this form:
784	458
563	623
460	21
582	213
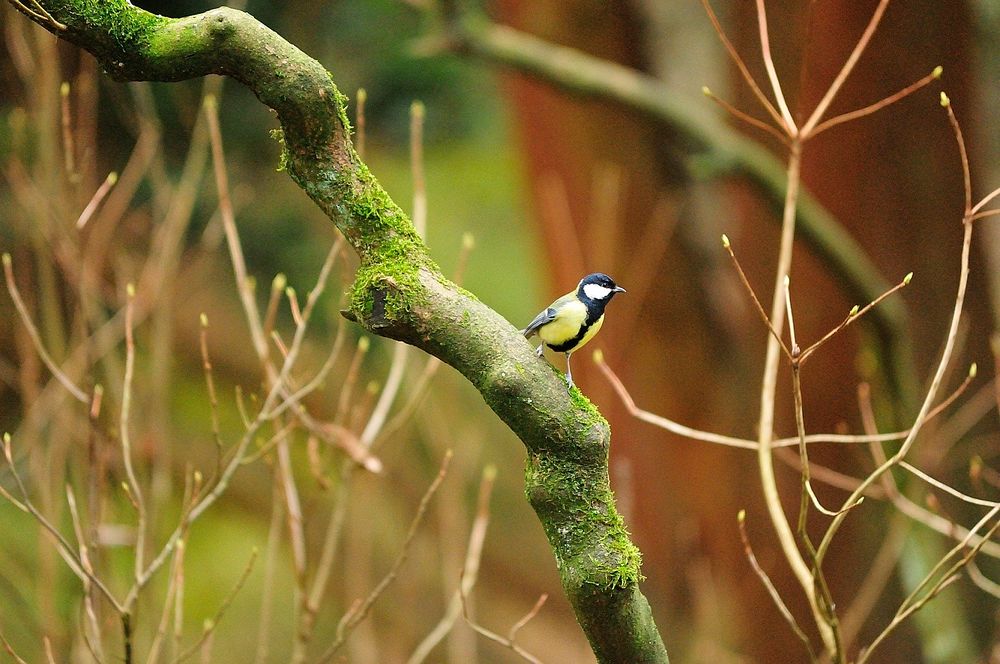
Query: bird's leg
569	372
539	350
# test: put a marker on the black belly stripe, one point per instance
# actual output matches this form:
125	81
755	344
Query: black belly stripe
569	346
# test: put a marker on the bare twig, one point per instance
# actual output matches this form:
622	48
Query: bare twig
88	567
213	622
935	581
744	70
772	328
853	315
507	641
170	605
946	487
65	549
473	554
36	339
771	590
743	443
949	344
39	13
417	113
788	122
66	117
985	201
133	486
10	650
879	105
982	582
97	199
270	568
360	610
808	129
744	117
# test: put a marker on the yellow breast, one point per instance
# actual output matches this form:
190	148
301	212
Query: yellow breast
567	326
591	331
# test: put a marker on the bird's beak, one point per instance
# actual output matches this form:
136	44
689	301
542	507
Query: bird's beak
619	289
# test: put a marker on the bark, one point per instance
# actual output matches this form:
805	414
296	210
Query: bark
400	293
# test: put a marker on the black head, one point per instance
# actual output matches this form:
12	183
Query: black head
598	288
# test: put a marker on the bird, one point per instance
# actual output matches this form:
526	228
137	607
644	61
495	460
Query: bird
573	320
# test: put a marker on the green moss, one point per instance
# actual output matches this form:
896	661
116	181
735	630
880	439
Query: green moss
341	101
585	407
577	509
128	26
279	135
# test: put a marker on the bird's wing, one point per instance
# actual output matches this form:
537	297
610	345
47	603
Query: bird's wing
548	315
544	317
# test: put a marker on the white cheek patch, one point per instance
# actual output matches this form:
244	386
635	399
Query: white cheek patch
596	291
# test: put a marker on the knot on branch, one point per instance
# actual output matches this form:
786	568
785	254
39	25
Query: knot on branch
384	297
221	23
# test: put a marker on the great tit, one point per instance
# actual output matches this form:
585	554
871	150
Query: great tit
574	319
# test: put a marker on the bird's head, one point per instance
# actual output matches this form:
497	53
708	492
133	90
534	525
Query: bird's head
598	287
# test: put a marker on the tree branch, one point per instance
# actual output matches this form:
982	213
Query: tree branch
399	292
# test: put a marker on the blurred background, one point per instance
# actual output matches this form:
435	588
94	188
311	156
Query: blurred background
550	186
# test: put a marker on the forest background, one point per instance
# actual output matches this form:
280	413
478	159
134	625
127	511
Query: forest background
528	186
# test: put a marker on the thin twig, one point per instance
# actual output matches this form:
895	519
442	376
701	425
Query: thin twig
507	641
66	550
743	443
945	487
97	199
981	581
745	117
838	82
946	354
10	650
984	214
229	224
769	586
33	334
775	332
765	47
473	555
170	605
985	201
213	622
39	13
270	569
135	490
853	315
962	154
417	113
879	105
88	567
66	117
359	611
913	602
213	401
744	70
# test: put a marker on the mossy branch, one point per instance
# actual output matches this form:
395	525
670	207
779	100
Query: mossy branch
400	292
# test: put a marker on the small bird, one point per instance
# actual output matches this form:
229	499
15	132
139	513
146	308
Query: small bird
574	319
